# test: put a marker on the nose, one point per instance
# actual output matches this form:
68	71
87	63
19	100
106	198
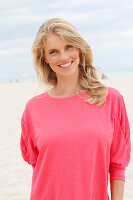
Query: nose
63	56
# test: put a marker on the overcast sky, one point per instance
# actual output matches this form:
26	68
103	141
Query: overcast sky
106	25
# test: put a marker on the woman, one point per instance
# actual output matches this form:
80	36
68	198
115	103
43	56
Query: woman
77	133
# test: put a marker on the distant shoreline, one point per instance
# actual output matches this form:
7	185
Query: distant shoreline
118	73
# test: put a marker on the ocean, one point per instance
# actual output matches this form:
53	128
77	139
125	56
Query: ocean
30	75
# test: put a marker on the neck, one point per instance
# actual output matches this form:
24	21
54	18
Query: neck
65	87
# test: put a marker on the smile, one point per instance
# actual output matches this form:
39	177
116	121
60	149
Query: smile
66	65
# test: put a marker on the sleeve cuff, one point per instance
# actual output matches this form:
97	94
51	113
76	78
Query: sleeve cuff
117	174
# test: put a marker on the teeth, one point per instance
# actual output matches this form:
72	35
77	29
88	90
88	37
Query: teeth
66	65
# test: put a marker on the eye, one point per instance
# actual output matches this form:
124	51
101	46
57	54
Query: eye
52	52
69	46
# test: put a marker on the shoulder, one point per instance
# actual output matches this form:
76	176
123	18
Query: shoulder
34	103
113	95
115	100
36	99
112	98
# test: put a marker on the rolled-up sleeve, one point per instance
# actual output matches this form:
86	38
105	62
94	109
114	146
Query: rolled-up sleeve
121	144
28	150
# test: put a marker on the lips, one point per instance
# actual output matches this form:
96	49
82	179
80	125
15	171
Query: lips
66	65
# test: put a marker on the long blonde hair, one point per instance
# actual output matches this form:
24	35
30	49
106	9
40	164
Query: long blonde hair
88	73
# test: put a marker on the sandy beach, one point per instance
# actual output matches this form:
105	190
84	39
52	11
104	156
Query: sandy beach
15	176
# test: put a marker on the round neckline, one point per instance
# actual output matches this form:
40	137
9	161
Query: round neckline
67	98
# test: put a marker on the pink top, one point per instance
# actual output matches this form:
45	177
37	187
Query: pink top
73	146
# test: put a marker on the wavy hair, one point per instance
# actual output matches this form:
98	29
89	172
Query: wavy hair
88	73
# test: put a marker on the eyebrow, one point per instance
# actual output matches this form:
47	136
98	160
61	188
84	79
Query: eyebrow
51	50
57	49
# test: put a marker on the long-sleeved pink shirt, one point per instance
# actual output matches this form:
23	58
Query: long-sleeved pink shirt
74	146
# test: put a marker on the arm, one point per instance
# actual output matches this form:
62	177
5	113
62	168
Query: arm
120	151
117	189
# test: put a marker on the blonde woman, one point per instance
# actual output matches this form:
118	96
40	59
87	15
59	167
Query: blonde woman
76	134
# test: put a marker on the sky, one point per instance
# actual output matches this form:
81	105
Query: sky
107	26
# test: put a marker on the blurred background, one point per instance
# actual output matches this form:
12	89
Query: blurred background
107	26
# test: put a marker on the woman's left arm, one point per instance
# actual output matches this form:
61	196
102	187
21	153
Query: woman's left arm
117	189
120	151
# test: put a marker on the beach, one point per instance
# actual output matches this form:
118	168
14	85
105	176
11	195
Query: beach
16	174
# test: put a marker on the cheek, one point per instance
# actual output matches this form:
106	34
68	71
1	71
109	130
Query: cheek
75	54
52	61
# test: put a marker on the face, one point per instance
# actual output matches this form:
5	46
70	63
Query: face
62	57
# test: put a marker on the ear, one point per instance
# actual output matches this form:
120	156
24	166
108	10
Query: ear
45	59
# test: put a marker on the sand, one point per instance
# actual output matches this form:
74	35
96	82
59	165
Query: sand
15	174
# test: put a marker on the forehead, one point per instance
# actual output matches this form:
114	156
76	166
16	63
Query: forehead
53	39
